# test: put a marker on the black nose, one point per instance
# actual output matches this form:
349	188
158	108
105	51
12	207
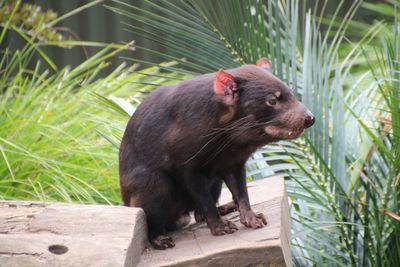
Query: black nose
309	119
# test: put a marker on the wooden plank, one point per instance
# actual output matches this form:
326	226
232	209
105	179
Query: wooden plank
34	234
268	246
56	234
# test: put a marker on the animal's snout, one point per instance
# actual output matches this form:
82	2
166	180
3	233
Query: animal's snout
309	119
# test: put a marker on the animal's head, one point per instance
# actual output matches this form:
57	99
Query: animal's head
265	105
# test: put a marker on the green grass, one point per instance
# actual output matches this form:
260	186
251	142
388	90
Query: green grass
60	130
50	144
59	136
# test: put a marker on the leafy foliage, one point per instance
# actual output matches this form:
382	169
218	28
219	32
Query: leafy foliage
57	128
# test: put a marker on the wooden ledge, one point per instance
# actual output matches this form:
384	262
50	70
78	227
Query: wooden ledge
268	246
55	234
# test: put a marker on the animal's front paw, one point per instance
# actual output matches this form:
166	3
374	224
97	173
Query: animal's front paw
162	242
222	227
253	220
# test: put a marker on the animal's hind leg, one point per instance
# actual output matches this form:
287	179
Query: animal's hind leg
151	191
157	207
227	208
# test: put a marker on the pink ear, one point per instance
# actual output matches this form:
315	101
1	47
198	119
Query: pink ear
225	87
264	63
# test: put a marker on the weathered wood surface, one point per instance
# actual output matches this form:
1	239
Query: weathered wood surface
268	246
96	235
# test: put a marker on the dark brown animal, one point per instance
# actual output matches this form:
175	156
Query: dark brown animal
185	140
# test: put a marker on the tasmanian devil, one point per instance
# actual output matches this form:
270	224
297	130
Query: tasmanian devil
185	140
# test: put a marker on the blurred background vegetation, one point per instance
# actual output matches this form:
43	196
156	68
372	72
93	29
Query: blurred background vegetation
72	72
99	24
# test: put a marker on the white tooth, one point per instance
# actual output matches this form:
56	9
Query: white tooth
290	133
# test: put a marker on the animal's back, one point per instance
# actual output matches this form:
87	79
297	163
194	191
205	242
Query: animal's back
165	119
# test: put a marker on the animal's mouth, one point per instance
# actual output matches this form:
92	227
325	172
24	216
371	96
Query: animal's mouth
283	133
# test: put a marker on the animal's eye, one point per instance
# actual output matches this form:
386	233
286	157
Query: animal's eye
271	102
